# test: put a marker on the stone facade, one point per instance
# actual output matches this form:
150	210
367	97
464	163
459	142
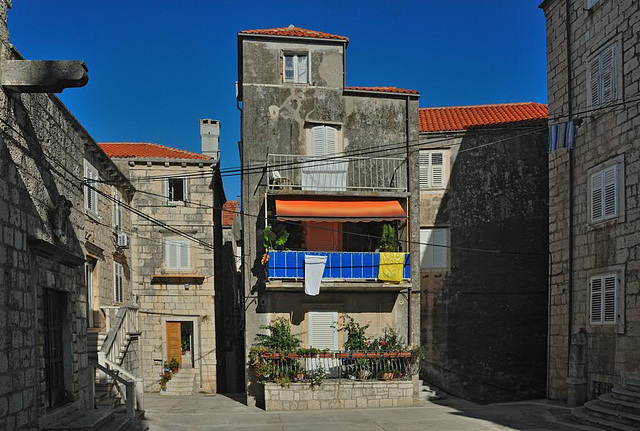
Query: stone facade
345	394
587	359
277	118
484	313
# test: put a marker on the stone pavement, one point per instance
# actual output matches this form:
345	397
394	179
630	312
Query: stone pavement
217	412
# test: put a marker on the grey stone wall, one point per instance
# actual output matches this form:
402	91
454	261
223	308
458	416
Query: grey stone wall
605	133
484	318
344	394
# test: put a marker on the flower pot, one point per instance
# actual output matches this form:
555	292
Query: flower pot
387	376
298	377
364	374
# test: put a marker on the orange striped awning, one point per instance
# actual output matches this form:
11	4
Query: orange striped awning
339	210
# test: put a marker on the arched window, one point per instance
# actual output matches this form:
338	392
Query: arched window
323	141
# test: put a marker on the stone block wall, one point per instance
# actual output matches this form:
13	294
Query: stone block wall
344	394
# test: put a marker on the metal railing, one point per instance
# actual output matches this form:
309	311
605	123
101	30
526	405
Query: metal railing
128	394
336	364
289	265
298	172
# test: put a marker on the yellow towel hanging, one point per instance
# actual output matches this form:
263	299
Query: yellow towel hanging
391	267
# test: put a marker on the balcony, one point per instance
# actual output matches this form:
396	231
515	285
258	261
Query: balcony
342	174
344	270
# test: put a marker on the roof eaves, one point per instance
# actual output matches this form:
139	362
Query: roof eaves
285	36
382	93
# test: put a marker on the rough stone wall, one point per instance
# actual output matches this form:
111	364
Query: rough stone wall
162	301
345	394
604	134
275	120
41	149
484	318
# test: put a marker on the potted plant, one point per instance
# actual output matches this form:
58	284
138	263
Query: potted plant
388	374
389	241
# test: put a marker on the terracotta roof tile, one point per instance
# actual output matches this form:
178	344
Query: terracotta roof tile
452	118
293	31
384	89
145	150
229	211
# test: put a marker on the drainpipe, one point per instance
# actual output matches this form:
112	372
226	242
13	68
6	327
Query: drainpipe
409	243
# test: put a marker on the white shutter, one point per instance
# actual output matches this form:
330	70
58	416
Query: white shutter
317	141
609	303
610	195
596	300
302	77
596	196
438	248
117	282
437	170
288	68
322	329
331	136
594	84
425	238
117	210
424	169
607	75
171	254
184	253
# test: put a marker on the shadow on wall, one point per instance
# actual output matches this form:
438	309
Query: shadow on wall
484	321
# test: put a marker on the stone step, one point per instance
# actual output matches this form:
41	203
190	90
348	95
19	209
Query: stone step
117	423
595	409
108	402
122	409
80	420
172	393
609	401
580	415
625	395
633	385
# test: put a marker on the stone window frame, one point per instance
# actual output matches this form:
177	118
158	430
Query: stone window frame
618	77
295	52
165	260
607	328
621	216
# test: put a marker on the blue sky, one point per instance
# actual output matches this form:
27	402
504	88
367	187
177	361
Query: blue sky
157	66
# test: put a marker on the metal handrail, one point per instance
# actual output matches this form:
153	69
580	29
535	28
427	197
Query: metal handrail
129	394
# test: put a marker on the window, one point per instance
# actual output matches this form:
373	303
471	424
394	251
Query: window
177	189
434	248
89	268
90	194
432	169
590	4
117	211
295	68
317	174
603	77
118	274
323	141
177	254
605	194
604	298
322	329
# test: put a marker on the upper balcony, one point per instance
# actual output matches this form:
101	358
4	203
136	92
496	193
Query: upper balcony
335	175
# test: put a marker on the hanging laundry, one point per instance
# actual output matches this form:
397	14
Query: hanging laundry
313	268
562	135
391	267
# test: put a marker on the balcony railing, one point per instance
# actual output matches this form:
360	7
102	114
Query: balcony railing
359	266
325	174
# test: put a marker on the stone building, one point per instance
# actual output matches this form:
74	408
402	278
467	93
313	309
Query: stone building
483	257
330	165
172	240
594	231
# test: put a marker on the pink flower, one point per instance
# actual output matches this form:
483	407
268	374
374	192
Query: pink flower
382	343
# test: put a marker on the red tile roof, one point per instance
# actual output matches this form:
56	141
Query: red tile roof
229	211
293	31
384	89
451	118
145	150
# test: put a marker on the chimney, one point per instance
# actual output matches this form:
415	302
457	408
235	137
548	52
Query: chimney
210	137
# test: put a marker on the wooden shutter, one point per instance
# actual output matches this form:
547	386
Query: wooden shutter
607	75
437	169
117	282
317	141
438	248
596	196
302	77
331	136
117	210
171	254
322	329
610	191
596	300
184	251
610	296
424	169
594	84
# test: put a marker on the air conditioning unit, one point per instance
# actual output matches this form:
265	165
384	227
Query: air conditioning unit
123	240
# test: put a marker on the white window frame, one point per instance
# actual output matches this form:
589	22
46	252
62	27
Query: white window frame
296	65
605	193
185	190
118	281
433	176
601	286
91	195
183	247
117	210
434	256
603	70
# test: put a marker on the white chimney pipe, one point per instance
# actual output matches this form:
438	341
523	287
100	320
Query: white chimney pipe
210	137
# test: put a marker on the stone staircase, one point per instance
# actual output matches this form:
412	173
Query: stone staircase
101	419
617	411
182	383
94	343
428	393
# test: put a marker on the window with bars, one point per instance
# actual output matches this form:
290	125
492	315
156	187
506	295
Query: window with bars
117	210
603	77
434	248
177	254
118	280
433	172
90	194
604	194
604	294
295	68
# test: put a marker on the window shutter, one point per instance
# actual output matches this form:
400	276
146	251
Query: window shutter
118	210
171	254
596	300
331	135
594	84
607	75
425	237
186	190
302	69
596	196
317	141
184	254
610	200
117	282
288	68
424	169
610	310
437	169
438	249
322	329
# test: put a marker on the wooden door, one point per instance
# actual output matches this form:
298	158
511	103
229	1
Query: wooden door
323	236
55	309
174	342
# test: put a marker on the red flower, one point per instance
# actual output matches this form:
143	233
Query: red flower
383	343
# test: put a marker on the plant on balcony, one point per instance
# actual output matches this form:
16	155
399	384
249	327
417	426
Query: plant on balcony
356	338
389	241
390	341
388	374
280	338
274	238
316	377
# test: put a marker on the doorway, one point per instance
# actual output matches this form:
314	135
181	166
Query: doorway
55	312
181	343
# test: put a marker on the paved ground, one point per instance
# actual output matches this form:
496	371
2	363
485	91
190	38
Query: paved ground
217	412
